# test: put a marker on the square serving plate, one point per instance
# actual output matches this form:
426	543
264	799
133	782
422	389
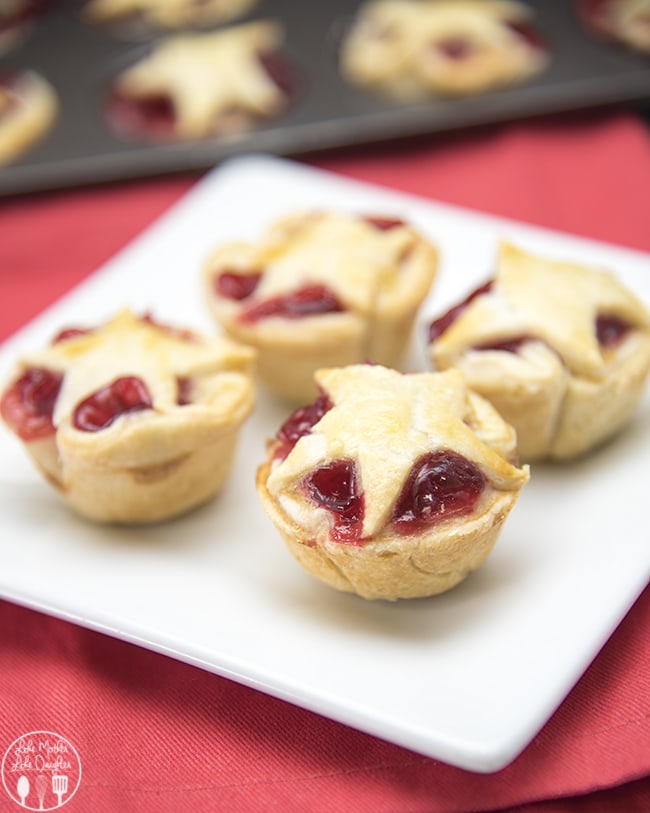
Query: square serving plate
486	664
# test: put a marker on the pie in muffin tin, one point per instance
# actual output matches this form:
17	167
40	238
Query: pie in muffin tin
123	112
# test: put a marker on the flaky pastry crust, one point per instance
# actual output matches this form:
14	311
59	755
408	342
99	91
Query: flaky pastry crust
562	390
415	48
155	463
28	109
380	277
384	422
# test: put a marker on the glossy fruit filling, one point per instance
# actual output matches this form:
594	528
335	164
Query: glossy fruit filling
610	330
311	300
236	285
383	223
300	423
181	333
335	487
120	397
441	484
28	405
440	325
70	333
455	48
184	391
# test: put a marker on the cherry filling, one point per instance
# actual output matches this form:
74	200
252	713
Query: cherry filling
335	487
103	407
438	326
455	48
610	330
70	333
235	285
440	485
311	300
383	223
153	116
300	423
28	405
184	391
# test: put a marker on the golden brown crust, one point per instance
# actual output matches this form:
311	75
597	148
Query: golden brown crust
415	48
398	419
28	109
561	390
153	464
379	277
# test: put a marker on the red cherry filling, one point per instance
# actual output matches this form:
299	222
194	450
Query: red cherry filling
438	326
235	285
440	485
28	405
335	487
300	423
103	407
70	333
311	300
152	116
184	391
610	330
383	223
455	48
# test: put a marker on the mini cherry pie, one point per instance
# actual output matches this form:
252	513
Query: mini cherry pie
561	350
28	109
391	485
196	85
624	21
133	421
416	48
168	14
321	289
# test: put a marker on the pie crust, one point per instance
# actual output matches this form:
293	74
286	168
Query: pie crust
562	390
417	48
378	270
168	14
153	463
383	421
214	83
28	109
624	21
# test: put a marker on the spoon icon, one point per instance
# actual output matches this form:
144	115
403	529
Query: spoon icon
23	789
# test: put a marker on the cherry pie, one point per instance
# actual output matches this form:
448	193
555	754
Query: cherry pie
623	21
197	85
168	14
561	350
321	290
391	485
28	109
133	421
415	48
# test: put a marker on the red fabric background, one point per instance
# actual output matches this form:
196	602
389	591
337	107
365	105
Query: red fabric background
155	734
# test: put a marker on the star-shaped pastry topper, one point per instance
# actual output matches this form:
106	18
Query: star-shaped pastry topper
555	301
385	420
207	74
158	355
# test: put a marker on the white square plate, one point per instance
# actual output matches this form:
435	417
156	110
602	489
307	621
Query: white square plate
468	677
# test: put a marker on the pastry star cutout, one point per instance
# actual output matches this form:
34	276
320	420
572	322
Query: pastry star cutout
384	420
129	346
206	74
555	301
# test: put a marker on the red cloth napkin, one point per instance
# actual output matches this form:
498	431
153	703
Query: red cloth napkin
156	735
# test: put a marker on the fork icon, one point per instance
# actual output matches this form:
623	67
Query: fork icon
59	786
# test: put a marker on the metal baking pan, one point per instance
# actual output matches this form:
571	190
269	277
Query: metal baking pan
80	60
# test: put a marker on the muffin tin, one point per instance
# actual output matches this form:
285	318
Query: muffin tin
81	59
